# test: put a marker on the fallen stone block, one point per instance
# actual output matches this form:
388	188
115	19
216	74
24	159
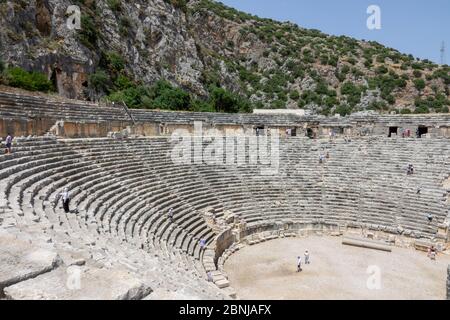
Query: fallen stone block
80	283
21	260
422	245
223	283
366	243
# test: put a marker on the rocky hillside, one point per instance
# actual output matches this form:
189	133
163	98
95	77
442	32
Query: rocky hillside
211	58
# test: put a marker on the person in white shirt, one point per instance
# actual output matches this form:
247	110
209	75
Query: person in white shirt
306	256
65	200
171	214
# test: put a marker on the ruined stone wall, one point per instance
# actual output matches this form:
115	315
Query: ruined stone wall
39	127
223	242
25	127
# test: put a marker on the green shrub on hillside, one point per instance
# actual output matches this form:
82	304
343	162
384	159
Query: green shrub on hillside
343	110
123	82
417	74
226	101
352	92
444	74
405	111
136	97
165	96
419	84
198	105
294	95
115	5
100	81
33	81
88	35
115	61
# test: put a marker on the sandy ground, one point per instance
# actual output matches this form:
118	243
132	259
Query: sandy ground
268	271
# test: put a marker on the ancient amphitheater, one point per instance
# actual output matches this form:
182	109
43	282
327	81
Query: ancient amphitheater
120	242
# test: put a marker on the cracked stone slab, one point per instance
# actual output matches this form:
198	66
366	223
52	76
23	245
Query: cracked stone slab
21	259
80	283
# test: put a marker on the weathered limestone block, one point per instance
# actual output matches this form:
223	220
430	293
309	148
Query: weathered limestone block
80	283
22	259
422	245
366	243
222	283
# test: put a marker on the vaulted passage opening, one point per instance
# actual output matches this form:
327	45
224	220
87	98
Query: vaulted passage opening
421	131
392	130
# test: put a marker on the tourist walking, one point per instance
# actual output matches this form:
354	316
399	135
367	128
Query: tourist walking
307	256
299	264
171	214
8	144
432	253
202	244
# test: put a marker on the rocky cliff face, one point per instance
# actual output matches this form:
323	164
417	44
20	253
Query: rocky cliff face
151	36
203	43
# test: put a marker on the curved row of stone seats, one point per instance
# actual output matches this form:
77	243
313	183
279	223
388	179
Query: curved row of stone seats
14	105
27	106
124	189
384	182
130	198
342	190
216	118
15	203
401	190
72	233
26	271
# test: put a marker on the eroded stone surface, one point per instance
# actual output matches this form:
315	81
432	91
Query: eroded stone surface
80	283
22	259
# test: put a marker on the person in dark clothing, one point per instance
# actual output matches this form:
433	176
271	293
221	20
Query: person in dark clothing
65	200
8	143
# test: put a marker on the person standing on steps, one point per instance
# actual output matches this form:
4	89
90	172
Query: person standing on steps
8	143
171	214
419	189
209	276
202	244
65	200
321	159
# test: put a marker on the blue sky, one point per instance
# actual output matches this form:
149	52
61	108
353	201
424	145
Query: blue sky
410	26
